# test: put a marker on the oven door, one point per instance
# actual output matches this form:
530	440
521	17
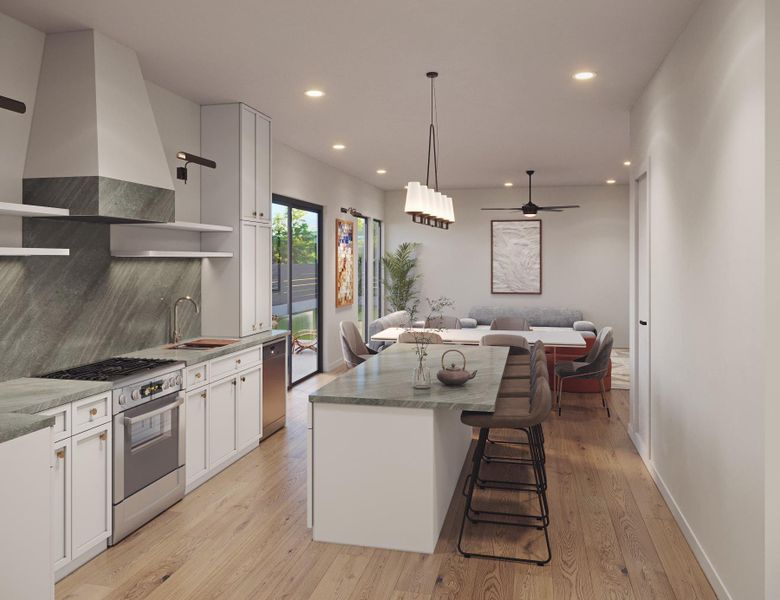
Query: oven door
148	444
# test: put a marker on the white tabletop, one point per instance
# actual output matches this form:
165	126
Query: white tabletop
568	338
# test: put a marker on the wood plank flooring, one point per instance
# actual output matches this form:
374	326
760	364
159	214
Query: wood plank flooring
243	534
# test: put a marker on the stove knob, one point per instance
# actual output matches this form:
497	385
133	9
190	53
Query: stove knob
178	380
122	398
172	382
136	395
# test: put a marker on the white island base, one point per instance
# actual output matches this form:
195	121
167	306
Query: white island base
384	476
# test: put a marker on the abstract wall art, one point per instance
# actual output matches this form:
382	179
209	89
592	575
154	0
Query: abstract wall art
516	257
345	263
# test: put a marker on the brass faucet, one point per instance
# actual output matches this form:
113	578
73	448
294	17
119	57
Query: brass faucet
176	334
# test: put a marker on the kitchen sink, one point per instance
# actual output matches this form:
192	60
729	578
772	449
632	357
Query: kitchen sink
201	344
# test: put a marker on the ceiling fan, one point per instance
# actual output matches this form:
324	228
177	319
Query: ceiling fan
530	209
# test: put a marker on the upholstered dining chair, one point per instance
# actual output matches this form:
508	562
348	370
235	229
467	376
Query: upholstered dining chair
408	337
510	323
594	365
442	322
353	348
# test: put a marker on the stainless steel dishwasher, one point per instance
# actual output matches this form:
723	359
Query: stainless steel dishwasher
274	386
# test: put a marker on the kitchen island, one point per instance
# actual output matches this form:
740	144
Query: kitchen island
385	458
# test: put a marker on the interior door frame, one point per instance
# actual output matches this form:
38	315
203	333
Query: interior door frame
291	203
642	171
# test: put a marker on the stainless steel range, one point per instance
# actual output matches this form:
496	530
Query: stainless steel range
148	427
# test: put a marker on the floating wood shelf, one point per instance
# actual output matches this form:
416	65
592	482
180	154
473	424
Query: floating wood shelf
183	226
16	251
169	254
14	209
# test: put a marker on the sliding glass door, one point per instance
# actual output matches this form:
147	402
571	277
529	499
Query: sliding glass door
377	274
297	271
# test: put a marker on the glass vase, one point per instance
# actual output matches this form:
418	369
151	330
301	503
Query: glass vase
422	377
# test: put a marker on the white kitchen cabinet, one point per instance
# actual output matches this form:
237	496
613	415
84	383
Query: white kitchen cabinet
249	414
91	488
197	458
60	503
222	413
236	292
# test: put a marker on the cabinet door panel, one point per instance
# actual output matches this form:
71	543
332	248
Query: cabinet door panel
248	281
91	491
248	164
263	274
60	503
263	168
222	420
197	434
249	407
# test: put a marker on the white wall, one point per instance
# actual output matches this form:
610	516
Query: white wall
700	123
299	176
584	251
21	51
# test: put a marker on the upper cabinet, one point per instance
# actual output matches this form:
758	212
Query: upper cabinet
255	165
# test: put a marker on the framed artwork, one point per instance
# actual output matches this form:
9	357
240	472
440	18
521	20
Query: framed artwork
345	263
516	257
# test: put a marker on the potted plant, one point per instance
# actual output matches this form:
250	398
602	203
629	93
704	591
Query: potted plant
400	279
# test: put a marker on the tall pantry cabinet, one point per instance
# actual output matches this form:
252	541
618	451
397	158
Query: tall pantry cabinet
236	293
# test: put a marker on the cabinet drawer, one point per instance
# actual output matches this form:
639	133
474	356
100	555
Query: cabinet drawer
62	427
90	412
234	362
197	375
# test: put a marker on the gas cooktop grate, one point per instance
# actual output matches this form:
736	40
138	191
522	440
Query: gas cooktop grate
109	370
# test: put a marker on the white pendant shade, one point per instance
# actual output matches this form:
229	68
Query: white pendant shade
414	198
450	211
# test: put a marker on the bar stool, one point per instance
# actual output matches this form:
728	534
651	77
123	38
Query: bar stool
511	413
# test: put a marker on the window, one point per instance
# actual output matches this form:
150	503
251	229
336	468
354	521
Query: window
361	239
377	288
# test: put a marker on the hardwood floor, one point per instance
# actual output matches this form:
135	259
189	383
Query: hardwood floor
243	534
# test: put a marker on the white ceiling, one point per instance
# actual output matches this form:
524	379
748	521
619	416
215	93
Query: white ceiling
505	94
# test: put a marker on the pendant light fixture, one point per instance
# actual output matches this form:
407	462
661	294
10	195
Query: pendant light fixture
425	204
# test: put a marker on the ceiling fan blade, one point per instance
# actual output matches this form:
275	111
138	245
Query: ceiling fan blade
550	209
559	207
501	209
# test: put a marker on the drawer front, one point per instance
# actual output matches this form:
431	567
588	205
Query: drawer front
90	412
197	375
62	426
235	362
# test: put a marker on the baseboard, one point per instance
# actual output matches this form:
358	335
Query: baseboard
640	446
701	556
334	365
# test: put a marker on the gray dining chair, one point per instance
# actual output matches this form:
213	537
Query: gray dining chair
429	337
594	365
442	322
353	348
510	324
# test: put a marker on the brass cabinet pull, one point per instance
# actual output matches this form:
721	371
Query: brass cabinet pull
60	453
238	361
103	436
203	395
234	382
243	379
198	375
92	412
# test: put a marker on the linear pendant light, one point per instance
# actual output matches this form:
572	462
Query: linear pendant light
427	205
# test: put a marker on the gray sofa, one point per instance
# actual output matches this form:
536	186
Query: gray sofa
540	316
400	318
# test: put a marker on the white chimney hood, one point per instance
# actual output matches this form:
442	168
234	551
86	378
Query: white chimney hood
94	145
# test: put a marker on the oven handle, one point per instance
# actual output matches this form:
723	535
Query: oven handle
157	411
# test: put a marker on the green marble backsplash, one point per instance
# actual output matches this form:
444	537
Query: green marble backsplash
57	312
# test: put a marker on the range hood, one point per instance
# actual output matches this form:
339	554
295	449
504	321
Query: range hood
94	144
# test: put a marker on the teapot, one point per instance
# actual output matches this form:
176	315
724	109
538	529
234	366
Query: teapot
453	375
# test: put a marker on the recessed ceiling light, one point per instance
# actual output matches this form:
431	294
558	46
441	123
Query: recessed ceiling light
584	75
611	181
315	93
339	146
627	163
508	184
381	171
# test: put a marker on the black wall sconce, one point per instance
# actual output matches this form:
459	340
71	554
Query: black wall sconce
353	212
13	105
181	172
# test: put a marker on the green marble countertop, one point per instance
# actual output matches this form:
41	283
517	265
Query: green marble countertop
193	357
21	398
14	425
386	380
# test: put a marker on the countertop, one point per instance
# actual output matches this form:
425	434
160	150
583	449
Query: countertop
386	380
193	357
21	398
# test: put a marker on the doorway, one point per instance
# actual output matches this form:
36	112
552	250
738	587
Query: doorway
641	373
297	272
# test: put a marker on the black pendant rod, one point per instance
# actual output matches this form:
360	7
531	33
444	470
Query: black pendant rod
530	175
432	141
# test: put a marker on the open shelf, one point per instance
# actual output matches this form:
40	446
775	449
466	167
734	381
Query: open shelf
169	254
16	251
14	209
183	226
